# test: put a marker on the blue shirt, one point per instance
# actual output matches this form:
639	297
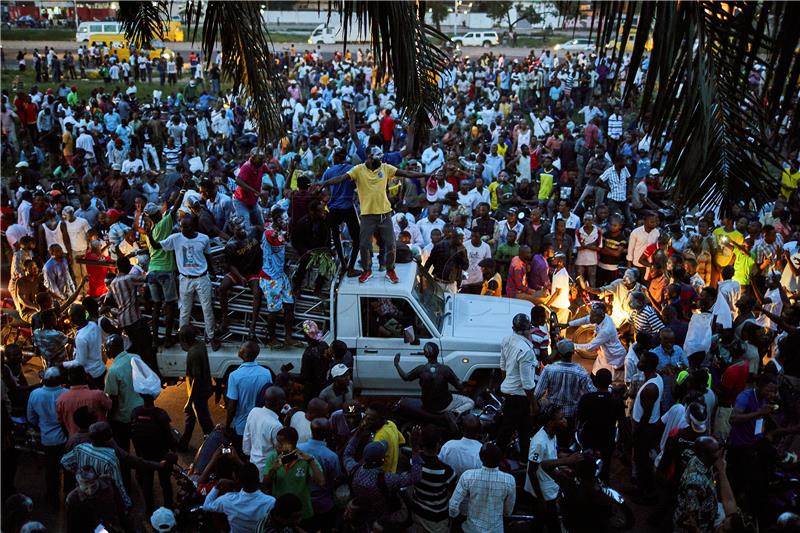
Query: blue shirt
243	509
244	383
341	193
678	358
42	413
391	158
744	433
112	120
322	497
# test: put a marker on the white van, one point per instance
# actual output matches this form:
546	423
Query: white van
323	34
87	28
477	38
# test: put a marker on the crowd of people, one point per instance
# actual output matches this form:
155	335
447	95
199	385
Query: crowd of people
535	184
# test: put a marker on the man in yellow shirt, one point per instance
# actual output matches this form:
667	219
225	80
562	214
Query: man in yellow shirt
723	236
790	177
371	179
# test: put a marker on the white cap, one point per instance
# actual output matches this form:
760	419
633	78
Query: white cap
654	172
22	164
339	370
163	519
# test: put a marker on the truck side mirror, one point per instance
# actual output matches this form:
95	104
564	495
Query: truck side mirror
409	336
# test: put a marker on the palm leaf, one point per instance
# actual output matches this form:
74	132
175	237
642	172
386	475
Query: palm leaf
401	44
143	21
697	94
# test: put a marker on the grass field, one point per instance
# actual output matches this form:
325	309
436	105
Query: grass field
68	35
144	90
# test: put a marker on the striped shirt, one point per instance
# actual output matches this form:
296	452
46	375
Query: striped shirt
563	384
431	493
490	495
617	183
646	320
171	157
103	460
123	289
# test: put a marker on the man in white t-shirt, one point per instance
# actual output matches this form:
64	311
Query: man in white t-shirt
77	242
559	295
542	456
477	251
191	257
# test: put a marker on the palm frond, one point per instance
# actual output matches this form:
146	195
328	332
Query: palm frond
247	59
143	21
697	95
402	47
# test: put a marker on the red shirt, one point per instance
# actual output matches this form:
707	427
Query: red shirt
517	281
78	396
96	275
387	128
251	176
734	380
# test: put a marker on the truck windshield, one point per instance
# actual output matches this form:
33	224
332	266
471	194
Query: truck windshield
430	296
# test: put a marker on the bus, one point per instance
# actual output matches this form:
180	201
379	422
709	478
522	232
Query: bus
119	46
172	30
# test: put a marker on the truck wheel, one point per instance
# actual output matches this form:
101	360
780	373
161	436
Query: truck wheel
487	44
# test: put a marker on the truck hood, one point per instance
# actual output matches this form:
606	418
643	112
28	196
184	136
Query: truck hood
487	318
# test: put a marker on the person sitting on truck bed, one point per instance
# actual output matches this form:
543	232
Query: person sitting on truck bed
243	253
434	380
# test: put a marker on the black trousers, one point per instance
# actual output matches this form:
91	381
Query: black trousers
122	436
645	438
52	473
146	477
350	218
196	409
142	343
516	416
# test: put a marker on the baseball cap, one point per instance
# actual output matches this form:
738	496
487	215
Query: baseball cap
565	346
374	452
654	172
697	417
339	370
163	519
151	209
376	152
22	164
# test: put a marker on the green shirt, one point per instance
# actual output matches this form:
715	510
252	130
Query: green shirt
742	267
162	260
294	479
119	383
506	252
72	98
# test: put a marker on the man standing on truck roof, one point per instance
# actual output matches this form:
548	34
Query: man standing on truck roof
371	180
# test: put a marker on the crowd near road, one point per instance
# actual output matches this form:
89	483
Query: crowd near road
653	358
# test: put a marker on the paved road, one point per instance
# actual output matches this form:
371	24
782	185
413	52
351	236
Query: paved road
12	47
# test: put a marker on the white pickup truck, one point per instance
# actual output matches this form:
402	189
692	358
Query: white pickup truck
378	319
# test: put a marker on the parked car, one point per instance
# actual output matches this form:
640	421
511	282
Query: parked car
477	38
576	45
628	48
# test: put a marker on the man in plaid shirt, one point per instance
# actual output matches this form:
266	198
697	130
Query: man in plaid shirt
563	382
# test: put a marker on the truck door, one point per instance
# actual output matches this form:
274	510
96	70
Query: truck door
383	323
